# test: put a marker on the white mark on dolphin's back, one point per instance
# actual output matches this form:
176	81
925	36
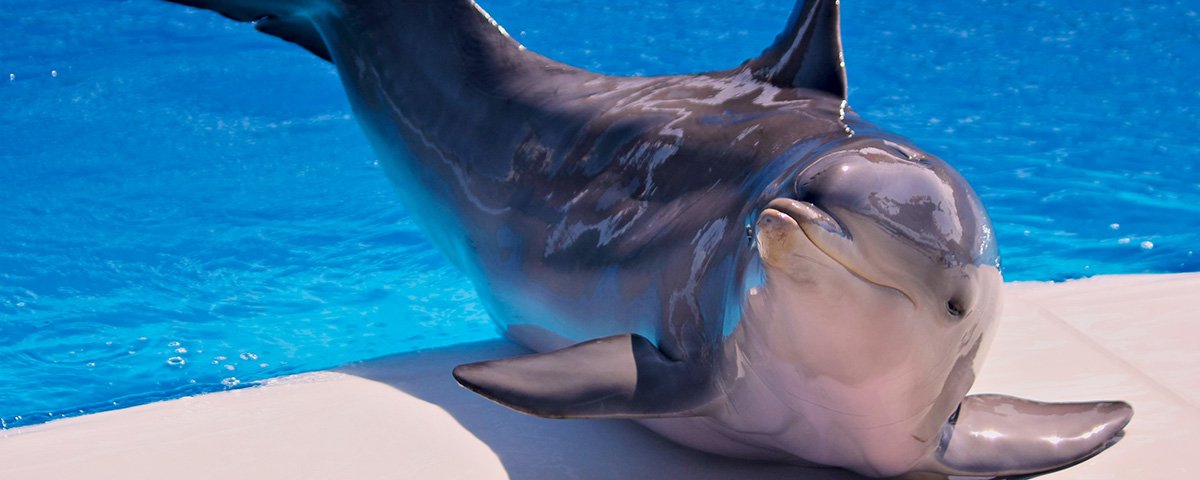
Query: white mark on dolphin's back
746	132
705	243
707	240
496	24
787	56
660	155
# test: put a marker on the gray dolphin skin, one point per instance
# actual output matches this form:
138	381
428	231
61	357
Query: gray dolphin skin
735	259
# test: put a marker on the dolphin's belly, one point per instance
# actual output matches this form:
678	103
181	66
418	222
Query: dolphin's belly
891	428
544	309
803	438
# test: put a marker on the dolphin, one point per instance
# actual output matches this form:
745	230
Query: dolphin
735	259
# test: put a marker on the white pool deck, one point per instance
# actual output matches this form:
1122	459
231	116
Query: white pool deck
1135	338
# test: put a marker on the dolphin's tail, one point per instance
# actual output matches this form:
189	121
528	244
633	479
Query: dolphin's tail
290	20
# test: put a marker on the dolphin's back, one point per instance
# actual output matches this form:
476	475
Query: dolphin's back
545	181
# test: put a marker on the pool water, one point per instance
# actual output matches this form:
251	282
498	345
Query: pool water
188	205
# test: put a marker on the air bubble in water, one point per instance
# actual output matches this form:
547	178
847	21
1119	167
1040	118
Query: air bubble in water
176	361
230	382
1146	245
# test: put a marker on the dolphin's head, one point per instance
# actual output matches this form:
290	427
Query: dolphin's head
891	217
880	282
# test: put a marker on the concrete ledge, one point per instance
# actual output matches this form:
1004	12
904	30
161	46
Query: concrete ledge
1135	338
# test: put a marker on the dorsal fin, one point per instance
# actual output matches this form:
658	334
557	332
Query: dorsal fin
808	54
281	18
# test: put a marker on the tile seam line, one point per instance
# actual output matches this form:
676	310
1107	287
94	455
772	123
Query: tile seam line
1109	353
1169	280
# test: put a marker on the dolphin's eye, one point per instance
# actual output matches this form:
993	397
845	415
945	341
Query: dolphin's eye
955	308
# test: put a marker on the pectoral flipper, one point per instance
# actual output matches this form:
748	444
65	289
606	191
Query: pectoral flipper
623	376
994	435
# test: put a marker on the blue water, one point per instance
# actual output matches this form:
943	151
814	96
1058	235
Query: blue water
188	205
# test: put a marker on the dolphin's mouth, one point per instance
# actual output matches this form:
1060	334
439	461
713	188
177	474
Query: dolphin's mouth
805	213
829	236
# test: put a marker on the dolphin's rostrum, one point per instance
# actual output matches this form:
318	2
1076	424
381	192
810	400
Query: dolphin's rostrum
733	258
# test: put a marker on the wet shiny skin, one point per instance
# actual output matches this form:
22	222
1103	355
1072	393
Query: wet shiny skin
618	205
844	331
